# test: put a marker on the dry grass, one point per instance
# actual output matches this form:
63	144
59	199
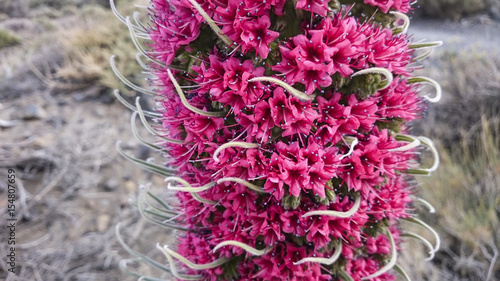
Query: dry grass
466	188
89	47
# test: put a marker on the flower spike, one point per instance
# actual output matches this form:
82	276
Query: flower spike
284	126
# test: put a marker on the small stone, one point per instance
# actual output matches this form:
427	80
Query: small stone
8	123
103	222
32	112
130	186
43	141
111	185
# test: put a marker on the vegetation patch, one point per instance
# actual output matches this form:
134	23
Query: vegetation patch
8	39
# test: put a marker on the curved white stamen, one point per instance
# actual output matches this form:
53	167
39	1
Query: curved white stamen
211	23
345	276
423	240
406	24
425	45
431	208
173	268
337	214
141	256
125	80
138	137
137	44
144	213
245	247
351	148
423	224
121	18
426	80
187	186
424	55
392	262
377	70
243	182
178	179
140	61
401	271
327	261
427	142
148	127
413	142
284	85
201	200
131	107
185	102
152	167
232	144
138	23
192	265
191	188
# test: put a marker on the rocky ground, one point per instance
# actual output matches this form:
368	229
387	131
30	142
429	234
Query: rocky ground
72	187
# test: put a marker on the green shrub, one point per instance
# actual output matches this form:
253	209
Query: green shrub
8	39
89	48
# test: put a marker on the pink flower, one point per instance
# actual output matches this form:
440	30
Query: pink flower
295	175
402	6
256	35
319	7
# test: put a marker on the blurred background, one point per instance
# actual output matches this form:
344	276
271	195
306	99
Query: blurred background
59	122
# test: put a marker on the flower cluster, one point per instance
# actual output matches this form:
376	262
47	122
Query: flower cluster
286	124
